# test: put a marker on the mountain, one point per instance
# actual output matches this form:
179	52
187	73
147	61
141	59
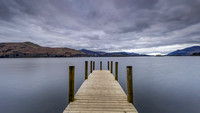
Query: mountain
194	50
126	53
104	54
29	49
92	53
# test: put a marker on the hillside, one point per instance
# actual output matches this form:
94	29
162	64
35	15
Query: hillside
104	54
92	53
190	51
29	49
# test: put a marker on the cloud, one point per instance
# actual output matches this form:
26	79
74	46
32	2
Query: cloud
114	25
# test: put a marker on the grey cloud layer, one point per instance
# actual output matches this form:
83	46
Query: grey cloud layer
108	25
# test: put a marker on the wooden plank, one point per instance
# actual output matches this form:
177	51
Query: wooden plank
100	93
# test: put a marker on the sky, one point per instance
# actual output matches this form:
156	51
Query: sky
141	26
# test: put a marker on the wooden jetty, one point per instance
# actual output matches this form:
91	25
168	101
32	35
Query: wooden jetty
100	93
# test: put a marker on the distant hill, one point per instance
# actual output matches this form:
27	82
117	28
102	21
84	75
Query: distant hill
104	54
126	53
92	53
29	49
190	51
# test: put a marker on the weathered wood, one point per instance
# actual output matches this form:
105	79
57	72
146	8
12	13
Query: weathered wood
100	65
129	84
71	83
111	67
108	66
116	71
100	93
93	65
86	70
90	66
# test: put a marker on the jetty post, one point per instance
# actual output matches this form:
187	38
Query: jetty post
71	83
111	66
116	71
90	66
108	66
103	83
93	65
129	84
86	70
100	65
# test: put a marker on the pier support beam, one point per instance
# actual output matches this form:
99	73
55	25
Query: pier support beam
71	83
116	71
108	66
86	70
90	66
129	84
93	65
111	66
100	65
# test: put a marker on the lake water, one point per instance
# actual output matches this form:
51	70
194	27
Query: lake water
40	85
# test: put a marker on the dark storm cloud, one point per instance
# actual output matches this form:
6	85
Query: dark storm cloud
107	25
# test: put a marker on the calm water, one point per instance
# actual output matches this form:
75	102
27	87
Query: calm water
40	85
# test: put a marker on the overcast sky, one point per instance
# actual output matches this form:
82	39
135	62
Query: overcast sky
141	26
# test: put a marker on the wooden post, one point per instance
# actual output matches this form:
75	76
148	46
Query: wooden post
108	66
111	66
86	70
100	65
129	84
90	66
116	71
71	83
93	65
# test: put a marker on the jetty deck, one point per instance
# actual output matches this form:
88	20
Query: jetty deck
100	93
